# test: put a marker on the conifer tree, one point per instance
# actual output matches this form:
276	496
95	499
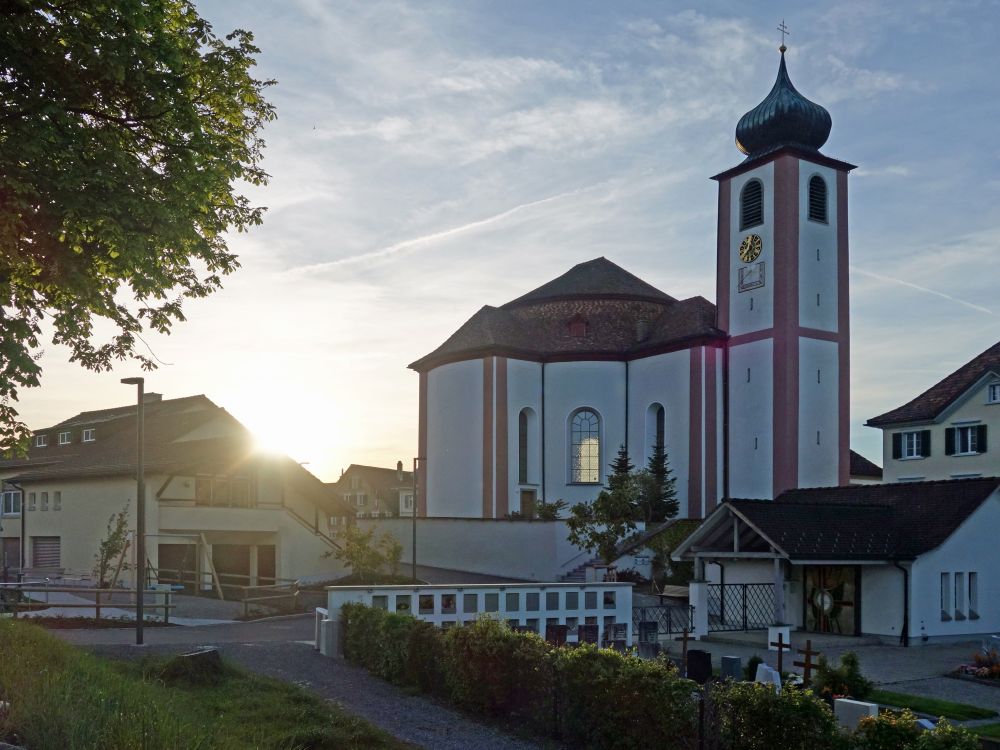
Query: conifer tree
662	490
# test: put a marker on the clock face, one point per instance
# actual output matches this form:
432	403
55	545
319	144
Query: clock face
750	248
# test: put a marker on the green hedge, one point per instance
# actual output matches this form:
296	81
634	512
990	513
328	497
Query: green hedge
598	698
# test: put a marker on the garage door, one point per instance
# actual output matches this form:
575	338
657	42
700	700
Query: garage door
45	552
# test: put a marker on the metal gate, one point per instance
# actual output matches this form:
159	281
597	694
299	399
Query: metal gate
740	606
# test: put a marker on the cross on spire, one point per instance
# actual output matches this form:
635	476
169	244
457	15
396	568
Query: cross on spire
784	30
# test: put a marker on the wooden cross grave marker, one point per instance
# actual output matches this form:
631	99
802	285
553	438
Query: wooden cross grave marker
782	648
808	665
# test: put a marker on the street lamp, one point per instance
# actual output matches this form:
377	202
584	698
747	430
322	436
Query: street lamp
140	508
399	476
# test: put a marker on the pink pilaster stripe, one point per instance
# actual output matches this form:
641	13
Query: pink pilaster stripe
502	493
786	324
488	437
723	252
711	429
695	422
844	330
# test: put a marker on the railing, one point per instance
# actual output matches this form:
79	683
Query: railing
670	619
287	592
740	606
16	598
313	527
284	589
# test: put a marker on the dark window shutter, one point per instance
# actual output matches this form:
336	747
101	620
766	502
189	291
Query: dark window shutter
897	445
981	438
817	199
949	441
925	443
752	204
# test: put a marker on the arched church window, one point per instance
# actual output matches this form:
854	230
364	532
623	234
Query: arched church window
585	447
656	424
752	204
817	199
660	418
522	447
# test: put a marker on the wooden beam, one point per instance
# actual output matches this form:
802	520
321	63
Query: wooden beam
708	553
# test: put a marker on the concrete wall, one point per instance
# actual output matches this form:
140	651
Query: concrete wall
535	551
524	391
455	439
972	408
972	548
881	600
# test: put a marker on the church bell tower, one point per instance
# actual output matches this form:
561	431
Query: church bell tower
782	291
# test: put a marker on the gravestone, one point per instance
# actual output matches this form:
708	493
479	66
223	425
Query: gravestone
649	632
850	712
768	676
556	634
587	633
699	666
926	724
649	649
732	668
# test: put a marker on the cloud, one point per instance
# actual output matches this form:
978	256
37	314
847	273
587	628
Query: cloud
925	290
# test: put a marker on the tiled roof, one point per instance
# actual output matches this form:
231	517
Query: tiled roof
597	310
929	404
863	522
862	467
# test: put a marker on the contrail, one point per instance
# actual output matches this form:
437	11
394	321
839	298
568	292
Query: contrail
428	238
942	295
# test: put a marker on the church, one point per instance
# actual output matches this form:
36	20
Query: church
530	401
749	396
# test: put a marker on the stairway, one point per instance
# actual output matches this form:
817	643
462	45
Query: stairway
579	573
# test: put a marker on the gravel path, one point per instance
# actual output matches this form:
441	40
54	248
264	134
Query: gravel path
276	649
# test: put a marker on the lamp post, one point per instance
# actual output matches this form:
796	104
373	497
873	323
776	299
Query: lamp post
140	509
399	475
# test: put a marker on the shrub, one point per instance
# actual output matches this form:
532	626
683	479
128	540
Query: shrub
750	670
753	716
377	640
612	700
899	731
845	680
425	659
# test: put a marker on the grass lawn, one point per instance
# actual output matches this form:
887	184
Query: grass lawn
987	730
931	706
63	697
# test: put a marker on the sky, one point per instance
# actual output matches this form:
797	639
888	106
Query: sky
432	157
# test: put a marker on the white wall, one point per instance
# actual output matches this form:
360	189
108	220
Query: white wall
533	551
455	439
751	420
663	379
881	600
972	548
569	386
819	398
741	318
817	274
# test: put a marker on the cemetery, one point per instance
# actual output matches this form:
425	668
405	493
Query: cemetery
492	662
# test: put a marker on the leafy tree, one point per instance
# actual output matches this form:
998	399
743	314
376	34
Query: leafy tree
601	526
124	125
110	557
365	556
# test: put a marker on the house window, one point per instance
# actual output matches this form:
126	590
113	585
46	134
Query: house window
41	441
45	500
407	502
355	483
585	447
57	500
752	204
89	435
240	492
31	501
966	440
960	596
11	503
817	199
945	597
64	438
993	393
360	499
914	444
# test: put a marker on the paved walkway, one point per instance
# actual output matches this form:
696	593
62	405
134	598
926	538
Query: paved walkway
282	648
188	610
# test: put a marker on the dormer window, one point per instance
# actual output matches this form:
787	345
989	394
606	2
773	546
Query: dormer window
89	435
64	438
993	393
817	199
752	204
41	441
577	327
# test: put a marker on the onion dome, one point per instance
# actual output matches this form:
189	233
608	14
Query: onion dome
784	118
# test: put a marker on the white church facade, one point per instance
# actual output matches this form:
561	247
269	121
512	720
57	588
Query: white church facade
531	400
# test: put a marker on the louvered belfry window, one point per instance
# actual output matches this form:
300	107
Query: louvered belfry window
817	199
752	204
